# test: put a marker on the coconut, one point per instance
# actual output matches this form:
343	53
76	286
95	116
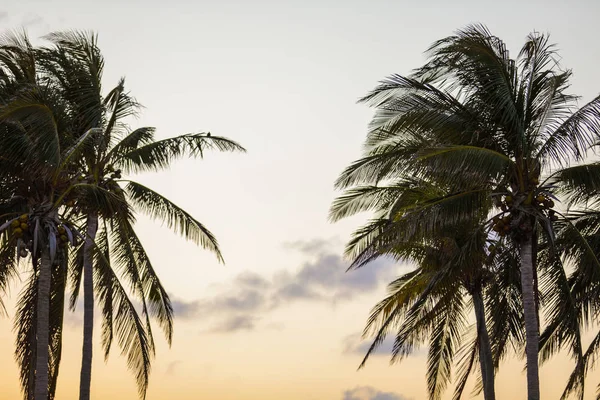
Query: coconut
61	230
23	218
64	238
15	224
24	226
18	231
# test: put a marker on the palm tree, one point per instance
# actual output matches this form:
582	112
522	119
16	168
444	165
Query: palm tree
35	162
486	124
429	301
76	65
37	167
34	93
574	309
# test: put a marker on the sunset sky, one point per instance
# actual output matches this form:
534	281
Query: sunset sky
281	320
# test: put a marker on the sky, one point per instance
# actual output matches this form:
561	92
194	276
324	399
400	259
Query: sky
281	319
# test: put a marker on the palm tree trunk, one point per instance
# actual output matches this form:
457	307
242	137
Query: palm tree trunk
531	320
85	379
485	350
43	326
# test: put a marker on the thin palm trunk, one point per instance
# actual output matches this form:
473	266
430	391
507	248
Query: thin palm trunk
43	326
88	308
531	320
485	350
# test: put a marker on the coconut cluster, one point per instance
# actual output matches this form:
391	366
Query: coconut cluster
511	220
21	230
109	183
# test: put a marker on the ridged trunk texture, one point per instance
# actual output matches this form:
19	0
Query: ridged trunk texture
43	326
85	379
531	319
485	350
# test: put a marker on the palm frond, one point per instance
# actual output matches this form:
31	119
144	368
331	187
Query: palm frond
120	317
156	206
574	136
467	361
160	154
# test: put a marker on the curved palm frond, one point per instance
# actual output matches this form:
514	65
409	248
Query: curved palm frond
156	206
160	154
121	318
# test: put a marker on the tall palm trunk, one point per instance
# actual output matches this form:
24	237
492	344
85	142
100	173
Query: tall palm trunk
43	326
485	350
85	379
531	319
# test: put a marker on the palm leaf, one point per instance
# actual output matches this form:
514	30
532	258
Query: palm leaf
159	207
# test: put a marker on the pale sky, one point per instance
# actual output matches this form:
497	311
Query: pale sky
281	319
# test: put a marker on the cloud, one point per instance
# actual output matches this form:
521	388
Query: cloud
3	15
355	344
73	319
325	278
252	280
313	246
172	367
183	309
370	393
234	324
32	20
248	296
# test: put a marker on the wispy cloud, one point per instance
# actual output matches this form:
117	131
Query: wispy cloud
172	367
313	246
322	279
370	393
32	19
234	324
356	345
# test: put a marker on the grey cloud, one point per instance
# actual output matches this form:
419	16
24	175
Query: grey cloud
313	246
370	393
183	309
294	291
356	345
244	300
324	278
251	279
235	324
